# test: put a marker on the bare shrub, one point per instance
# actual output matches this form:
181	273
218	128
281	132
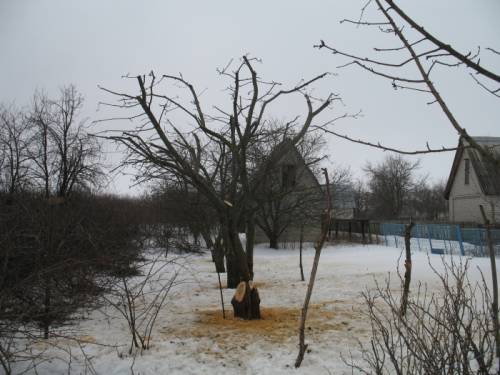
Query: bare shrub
445	332
139	300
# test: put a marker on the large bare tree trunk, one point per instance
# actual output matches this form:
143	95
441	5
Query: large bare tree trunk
233	276
218	255
246	301
273	242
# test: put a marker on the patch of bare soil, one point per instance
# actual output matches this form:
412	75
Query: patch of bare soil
278	324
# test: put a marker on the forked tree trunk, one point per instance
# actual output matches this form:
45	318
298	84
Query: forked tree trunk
246	304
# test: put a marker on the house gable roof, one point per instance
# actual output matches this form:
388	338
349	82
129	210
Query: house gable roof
287	147
487	174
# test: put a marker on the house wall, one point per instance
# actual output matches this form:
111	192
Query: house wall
465	199
305	178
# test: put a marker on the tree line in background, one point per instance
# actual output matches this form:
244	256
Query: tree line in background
393	190
61	245
46	147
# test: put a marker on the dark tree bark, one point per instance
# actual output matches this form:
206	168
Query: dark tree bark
408	265
273	241
246	301
218	255
250	242
301	241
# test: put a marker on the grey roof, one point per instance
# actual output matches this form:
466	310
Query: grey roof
487	172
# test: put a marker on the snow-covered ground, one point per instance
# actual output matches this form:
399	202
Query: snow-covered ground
191	337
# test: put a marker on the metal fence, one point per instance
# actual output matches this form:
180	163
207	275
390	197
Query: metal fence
441	238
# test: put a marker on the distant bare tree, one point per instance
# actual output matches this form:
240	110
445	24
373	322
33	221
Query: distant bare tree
64	155
281	204
390	183
427	201
14	142
360	198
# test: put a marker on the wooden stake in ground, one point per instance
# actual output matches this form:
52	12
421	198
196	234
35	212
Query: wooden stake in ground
407	279
301	242
325	225
494	304
221	297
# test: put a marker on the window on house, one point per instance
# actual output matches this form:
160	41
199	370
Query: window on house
288	176
467	171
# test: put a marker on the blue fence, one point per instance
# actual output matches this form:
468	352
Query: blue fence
441	238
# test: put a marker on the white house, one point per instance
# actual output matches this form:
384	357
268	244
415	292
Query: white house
473	182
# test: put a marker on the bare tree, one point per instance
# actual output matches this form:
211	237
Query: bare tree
14	143
159	144
427	201
291	195
403	342
64	155
139	300
426	54
390	183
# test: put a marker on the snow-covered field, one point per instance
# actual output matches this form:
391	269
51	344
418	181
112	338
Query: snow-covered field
191	337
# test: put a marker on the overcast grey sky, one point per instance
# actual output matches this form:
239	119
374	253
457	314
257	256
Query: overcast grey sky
47	44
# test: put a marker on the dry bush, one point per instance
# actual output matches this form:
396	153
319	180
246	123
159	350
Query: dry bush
55	258
449	331
139	300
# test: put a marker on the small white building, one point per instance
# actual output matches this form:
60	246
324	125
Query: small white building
473	182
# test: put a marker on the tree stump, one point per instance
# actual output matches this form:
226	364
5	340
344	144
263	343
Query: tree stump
246	301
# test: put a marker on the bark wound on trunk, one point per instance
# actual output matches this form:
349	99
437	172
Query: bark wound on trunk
246	301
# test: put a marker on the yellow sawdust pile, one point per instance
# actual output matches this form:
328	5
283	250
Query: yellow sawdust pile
277	324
